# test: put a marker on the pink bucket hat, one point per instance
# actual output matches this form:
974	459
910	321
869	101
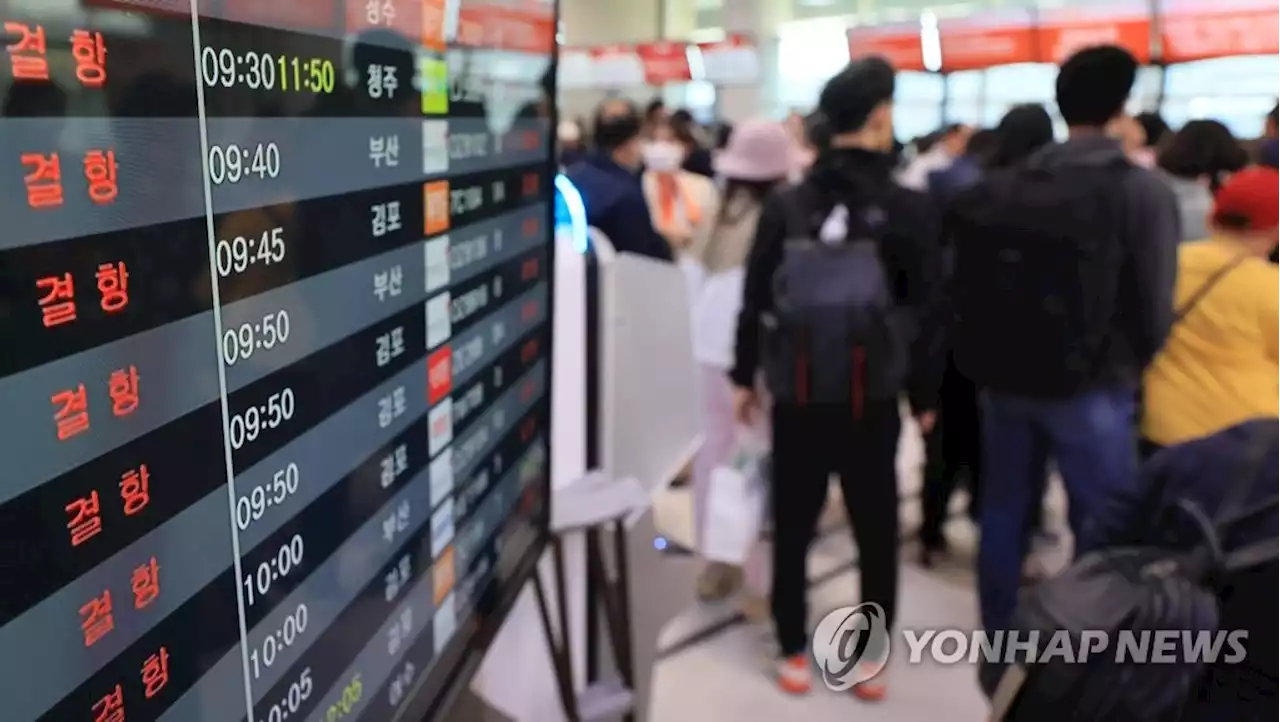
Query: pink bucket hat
758	150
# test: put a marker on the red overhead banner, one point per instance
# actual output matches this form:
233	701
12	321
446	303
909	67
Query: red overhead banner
732	61
1063	32
523	29
997	39
664	62
899	44
1199	30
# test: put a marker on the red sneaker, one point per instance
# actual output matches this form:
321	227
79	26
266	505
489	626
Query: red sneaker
794	674
876	686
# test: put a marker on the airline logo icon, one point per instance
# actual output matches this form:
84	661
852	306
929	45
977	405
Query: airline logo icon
439	375
440	425
441	528
441	472
435	202
436	258
435	147
439	329
434	74
442	576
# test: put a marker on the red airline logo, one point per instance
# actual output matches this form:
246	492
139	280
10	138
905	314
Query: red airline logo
439	375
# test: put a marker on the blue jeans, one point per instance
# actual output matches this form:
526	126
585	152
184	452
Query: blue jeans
1092	439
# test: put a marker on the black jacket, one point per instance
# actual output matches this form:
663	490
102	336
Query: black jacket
911	251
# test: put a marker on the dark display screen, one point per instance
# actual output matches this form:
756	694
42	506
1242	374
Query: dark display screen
274	376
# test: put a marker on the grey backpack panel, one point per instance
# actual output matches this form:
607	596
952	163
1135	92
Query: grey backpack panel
836	334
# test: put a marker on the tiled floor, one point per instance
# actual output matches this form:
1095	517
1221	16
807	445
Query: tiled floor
723	675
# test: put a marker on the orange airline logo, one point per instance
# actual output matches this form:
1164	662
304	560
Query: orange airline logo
442	576
436	207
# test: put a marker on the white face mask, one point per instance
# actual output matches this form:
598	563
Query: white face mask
663	156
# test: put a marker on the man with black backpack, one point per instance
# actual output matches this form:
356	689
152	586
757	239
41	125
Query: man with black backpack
1062	292
842	269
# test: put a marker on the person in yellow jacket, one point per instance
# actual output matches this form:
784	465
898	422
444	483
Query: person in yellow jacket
1221	363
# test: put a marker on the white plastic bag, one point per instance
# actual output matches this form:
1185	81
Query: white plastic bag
714	302
736	505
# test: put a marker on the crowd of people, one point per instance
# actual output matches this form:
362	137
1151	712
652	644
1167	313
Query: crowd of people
1105	305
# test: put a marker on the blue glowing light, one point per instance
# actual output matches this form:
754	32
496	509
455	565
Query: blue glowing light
571	212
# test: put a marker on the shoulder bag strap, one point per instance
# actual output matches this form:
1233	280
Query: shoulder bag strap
1208	286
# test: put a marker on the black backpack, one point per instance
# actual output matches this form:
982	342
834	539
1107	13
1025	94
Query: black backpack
836	335
1038	256
1129	591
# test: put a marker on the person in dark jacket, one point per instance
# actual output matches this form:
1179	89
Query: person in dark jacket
1022	131
956	441
697	159
610	185
1090	430
1200	471
967	168
859	442
954	444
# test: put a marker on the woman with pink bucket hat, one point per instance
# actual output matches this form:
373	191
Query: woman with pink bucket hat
760	155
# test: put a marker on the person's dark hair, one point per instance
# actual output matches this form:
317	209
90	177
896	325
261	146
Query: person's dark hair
1094	84
682	119
1022	131
1154	126
817	131
1203	148
681	125
1232	222
753	190
848	99
1274	115
617	122
982	145
654	107
724	131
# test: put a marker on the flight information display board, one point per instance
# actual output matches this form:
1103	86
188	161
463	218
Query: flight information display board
274	378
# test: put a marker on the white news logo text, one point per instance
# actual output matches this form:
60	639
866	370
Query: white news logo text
950	646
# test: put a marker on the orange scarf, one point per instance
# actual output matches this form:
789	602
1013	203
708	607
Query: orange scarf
670	192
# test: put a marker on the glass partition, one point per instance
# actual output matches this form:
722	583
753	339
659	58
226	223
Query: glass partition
1237	91
917	104
965	92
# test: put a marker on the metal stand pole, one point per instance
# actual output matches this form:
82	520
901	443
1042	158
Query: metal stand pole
603	699
558	643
